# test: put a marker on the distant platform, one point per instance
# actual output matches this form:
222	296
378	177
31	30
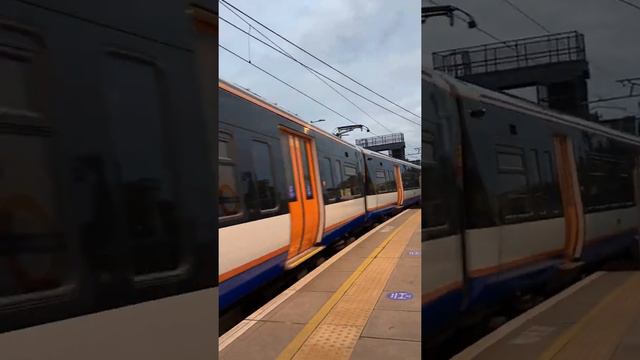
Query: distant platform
362	303
596	318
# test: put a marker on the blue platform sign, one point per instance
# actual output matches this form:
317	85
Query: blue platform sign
414	252
400	295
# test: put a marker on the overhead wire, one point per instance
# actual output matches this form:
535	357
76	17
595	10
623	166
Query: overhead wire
523	13
319	73
630	4
288	85
318	59
285	53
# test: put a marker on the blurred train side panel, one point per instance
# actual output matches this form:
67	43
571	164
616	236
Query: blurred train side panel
107	140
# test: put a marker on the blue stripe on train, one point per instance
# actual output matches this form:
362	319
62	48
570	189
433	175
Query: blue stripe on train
244	283
600	249
411	201
441	312
338	232
494	288
373	215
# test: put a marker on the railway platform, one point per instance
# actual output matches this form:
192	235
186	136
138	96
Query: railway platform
362	303
596	318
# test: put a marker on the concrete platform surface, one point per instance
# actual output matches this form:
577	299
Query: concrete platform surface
363	303
596	318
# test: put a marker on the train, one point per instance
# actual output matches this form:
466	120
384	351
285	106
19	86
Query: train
289	190
516	198
107	190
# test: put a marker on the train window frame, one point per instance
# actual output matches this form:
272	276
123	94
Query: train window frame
347	175
28	46
307	169
511	170
329	184
552	182
611	166
170	177
230	140
276	199
381	181
285	148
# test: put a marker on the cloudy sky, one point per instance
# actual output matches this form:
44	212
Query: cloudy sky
611	30
376	42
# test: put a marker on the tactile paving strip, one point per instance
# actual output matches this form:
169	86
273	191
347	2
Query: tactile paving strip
337	334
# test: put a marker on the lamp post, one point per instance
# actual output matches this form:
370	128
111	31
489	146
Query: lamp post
316	121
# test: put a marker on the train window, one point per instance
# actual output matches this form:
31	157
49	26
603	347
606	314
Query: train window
510	161
350	187
609	183
550	185
411	179
381	181
14	71
513	194
338	172
288	169
263	170
135	108
391	181
34	254
305	170
534	166
428	148
328	182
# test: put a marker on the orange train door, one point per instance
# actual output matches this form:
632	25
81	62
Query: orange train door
399	185
305	208
571	198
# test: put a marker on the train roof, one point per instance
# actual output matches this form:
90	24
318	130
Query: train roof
259	100
504	100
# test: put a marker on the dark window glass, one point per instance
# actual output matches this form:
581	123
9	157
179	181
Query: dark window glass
428	148
551	186
435	213
15	73
509	161
338	172
411	179
305	170
534	173
138	133
513	194
381	181
391	181
326	173
228	200
288	169
33	251
610	183
350	186
263	170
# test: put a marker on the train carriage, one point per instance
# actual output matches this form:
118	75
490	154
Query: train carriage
289	190
515	194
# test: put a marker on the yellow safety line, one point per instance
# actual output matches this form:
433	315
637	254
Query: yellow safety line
565	337
295	345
